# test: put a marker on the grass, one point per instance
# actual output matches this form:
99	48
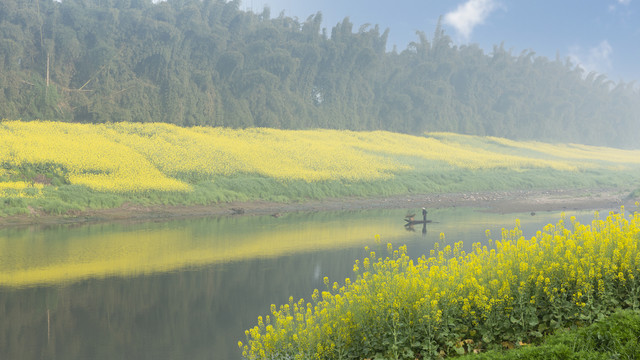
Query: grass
613	337
67	198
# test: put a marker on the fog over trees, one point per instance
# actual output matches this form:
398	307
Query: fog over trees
206	62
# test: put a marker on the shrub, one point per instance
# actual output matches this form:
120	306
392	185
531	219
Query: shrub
614	337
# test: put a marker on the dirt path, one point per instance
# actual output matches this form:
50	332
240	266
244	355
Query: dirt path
494	201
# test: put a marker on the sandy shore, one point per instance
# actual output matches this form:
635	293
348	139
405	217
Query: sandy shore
494	201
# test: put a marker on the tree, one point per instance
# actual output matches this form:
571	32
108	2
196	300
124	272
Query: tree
206	62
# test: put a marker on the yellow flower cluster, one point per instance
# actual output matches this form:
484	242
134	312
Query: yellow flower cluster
451	301
126	157
573	151
557	156
456	150
92	157
297	155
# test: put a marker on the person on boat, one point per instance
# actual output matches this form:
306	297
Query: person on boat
424	214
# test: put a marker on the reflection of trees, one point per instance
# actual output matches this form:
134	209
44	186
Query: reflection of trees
193	314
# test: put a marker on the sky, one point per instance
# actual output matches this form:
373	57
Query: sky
599	35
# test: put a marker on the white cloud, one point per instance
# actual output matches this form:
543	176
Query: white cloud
614	7
469	14
596	59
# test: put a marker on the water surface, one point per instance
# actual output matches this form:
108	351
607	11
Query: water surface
188	289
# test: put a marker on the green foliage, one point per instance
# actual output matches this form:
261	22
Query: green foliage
59	207
59	197
79	197
613	337
209	63
13	206
43	173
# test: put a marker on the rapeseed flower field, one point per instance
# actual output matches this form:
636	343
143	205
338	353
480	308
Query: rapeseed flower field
512	291
134	157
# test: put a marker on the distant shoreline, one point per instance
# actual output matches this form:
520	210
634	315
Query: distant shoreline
513	201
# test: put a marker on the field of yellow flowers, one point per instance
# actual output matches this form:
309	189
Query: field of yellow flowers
512	291
38	157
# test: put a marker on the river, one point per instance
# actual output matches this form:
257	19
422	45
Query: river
187	289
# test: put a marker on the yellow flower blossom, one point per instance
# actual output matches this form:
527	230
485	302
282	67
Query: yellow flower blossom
502	291
130	157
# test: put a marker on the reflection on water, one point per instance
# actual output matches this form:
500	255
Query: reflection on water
188	289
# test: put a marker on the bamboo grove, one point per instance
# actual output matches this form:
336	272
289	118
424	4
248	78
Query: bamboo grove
194	62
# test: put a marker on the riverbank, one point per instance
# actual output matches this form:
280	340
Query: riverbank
142	172
529	201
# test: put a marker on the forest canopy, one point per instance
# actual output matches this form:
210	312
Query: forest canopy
206	62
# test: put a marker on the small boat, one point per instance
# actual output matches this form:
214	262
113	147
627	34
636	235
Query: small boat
414	222
410	221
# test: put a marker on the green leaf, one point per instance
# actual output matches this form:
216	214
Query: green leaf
488	338
460	350
542	327
536	334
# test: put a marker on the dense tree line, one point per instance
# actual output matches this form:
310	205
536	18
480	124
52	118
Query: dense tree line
206	62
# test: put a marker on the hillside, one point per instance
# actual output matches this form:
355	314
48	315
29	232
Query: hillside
193	62
62	168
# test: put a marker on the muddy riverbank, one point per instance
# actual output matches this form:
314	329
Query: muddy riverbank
495	201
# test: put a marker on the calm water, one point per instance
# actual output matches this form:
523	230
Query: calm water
188	289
